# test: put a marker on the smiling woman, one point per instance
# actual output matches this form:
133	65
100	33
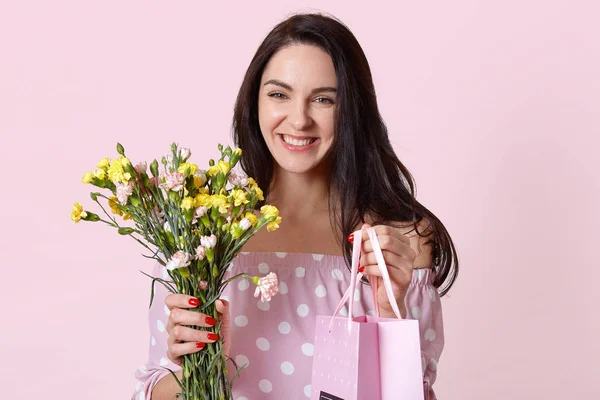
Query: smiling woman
307	121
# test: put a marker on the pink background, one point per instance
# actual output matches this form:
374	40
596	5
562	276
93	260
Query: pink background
493	106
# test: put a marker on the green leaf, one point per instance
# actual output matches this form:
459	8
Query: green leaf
120	149
125	230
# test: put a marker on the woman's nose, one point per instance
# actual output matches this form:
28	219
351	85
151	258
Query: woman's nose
299	118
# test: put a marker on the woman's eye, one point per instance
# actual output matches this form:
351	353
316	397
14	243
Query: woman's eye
324	100
277	95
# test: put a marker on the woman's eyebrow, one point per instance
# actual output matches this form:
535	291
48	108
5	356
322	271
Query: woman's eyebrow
284	85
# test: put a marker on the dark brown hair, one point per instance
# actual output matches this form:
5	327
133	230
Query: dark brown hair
360	144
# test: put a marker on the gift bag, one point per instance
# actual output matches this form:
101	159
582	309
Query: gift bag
367	357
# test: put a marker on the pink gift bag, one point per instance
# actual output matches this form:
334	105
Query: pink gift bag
367	357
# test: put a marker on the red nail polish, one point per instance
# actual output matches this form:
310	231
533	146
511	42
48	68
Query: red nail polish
351	238
210	321
361	269
200	345
212	336
194	302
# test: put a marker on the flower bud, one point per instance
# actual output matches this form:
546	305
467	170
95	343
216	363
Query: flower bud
120	149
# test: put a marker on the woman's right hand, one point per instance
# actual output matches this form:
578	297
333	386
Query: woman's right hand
186	340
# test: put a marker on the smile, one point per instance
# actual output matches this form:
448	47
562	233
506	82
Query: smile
298	142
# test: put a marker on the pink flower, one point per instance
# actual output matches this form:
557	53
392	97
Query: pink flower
245	224
237	178
179	260
141	167
203	285
124	191
267	287
208	241
159	215
199	213
200	252
173	181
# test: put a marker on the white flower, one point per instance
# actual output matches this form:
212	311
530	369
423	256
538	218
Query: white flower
179	260
200	252
238	178
208	241
245	224
185	153
167	227
266	287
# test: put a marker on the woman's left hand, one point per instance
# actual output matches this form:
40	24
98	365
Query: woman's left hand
400	259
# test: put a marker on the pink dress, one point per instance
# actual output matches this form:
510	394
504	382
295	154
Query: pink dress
275	339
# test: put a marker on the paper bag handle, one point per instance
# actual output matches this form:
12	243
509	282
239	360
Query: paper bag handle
355	276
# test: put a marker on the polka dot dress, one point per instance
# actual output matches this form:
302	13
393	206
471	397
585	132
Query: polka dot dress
274	340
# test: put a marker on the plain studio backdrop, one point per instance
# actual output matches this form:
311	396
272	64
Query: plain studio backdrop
492	105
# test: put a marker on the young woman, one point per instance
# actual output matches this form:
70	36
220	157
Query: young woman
307	120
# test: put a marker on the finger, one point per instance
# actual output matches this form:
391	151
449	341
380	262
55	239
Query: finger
392	260
181	333
391	244
385	230
179	316
222	306
181	301
178	350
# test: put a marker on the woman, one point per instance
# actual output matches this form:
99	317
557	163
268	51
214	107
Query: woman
306	118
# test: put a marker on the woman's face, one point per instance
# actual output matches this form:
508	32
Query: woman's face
296	106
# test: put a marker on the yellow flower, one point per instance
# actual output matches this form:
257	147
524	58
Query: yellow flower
271	226
183	166
251	217
116	173
77	212
239	197
87	177
199	180
259	193
100	174
221	166
187	203
201	199
252	183
269	211
125	161
104	163
237	152
203	190
129	216
219	201
112	202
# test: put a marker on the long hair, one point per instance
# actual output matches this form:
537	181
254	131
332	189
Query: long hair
361	148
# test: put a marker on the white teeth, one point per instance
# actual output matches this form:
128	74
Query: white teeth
295	142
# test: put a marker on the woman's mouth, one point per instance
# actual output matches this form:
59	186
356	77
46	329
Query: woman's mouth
298	143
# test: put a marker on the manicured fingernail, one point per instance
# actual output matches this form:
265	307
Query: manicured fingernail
194	302
351	238
200	345
212	336
361	269
210	321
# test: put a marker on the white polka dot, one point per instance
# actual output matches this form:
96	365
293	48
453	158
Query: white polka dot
153	341
430	335
283	288
264	305
307	390
142	396
287	368
160	326
371	312
302	310
242	398
144	369
241	320
243	284
432	364
416	312
300	272
344	312
241	361
164	362
357	294
281	254
263	344
165	274
167	311
317	257
263	268
226	298
285	328
337	274
308	349
320	291
265	386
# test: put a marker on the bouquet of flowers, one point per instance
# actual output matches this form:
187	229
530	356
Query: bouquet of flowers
193	222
